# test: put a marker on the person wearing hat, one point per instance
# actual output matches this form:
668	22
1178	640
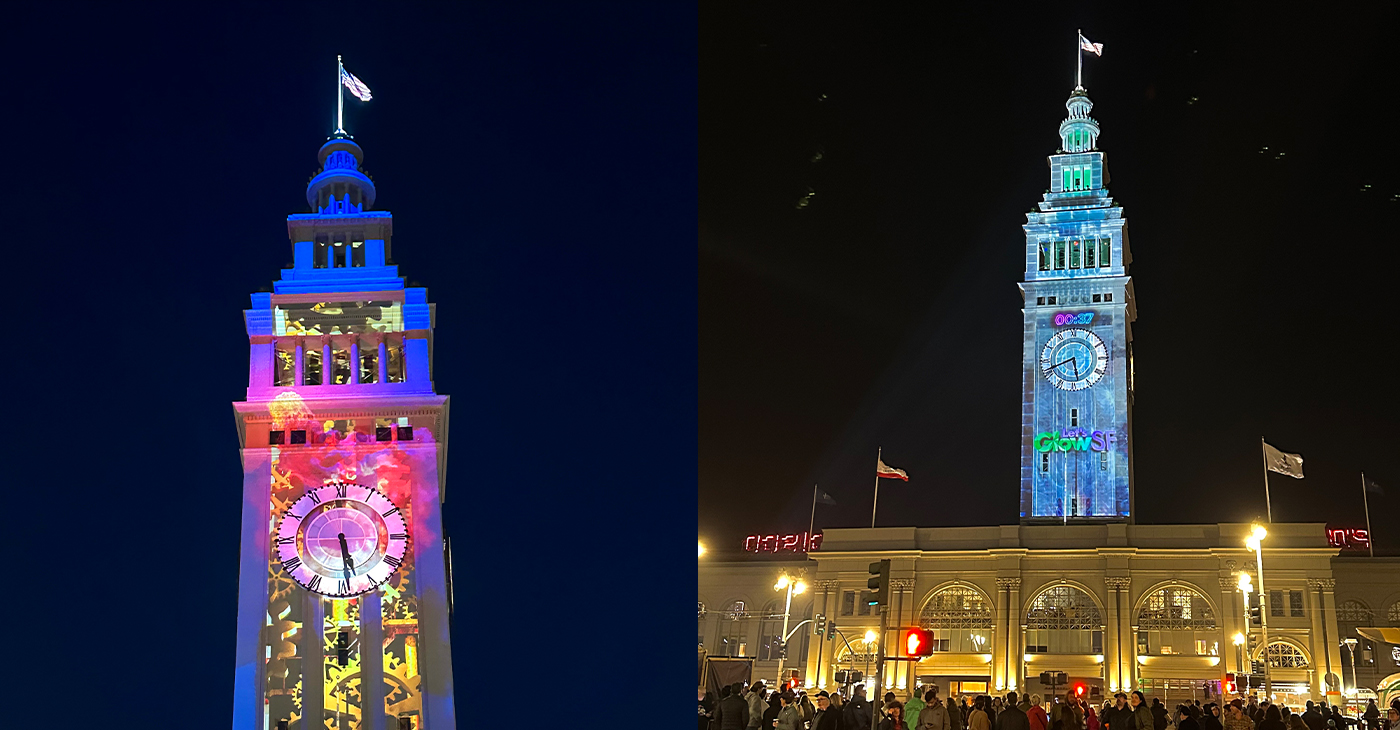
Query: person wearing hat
826	717
1117	717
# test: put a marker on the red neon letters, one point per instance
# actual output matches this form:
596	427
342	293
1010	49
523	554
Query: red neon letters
799	543
1348	538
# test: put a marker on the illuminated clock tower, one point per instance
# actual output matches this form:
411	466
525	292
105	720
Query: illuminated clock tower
344	588
1077	362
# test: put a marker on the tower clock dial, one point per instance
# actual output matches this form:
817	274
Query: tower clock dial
1074	359
341	539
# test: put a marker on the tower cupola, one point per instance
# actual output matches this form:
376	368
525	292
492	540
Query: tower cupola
340	186
1079	132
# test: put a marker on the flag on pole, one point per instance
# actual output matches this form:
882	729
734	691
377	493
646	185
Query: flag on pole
1094	48
1283	463
1373	488
825	498
889	472
357	87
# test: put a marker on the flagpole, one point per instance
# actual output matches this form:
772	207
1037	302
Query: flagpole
1268	503
339	96
812	523
879	452
1366	501
1079	52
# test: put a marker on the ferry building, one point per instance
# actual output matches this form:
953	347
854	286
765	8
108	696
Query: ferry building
1075	586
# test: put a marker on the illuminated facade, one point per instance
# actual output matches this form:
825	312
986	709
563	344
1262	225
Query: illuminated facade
1077	361
344	578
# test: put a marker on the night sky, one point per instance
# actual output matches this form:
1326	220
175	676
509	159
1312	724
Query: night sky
1255	157
540	163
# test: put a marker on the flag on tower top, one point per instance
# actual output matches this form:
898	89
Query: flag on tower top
889	472
1086	44
1283	463
357	87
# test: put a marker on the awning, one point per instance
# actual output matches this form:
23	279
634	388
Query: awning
1380	633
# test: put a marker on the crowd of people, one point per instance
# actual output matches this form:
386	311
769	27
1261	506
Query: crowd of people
757	708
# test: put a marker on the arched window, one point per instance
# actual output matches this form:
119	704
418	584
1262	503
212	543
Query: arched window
1177	620
1353	612
1393	614
1064	620
733	628
1283	655
770	631
960	619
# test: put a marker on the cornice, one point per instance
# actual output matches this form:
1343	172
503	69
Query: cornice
1118	583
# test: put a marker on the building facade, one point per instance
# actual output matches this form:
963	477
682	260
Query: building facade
343	587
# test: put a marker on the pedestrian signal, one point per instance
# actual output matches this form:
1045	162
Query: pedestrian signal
819	625
918	642
831	629
1256	609
1079	690
1229	683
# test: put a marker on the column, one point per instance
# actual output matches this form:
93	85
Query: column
1000	671
827	649
1230	624
1015	636
1316	647
326	368
355	360
383	360
1330	636
1111	651
372	662
300	366
1127	636
312	650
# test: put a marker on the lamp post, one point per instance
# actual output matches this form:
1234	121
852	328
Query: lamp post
1256	543
1246	588
791	585
1239	651
1350	643
871	637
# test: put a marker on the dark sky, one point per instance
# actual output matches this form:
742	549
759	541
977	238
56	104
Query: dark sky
540	163
885	312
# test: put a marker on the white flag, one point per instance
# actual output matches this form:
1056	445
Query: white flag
1283	463
1094	48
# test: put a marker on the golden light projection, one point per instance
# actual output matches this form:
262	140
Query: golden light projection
288	409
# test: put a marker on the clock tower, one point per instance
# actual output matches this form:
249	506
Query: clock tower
1077	361
344	587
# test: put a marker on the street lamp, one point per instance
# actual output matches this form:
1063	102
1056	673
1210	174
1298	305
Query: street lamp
702	549
1246	587
871	637
1351	643
1255	542
791	585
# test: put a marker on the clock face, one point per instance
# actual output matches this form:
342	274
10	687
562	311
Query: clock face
341	540
1074	359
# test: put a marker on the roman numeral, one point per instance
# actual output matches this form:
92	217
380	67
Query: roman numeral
315	498
294	515
342	586
340	491
286	540
315	583
291	564
393	561
390	512
398	536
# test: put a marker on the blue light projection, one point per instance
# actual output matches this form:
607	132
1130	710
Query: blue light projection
1077	389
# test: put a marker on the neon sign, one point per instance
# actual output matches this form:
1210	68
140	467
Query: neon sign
1074	439
1348	538
1064	318
799	543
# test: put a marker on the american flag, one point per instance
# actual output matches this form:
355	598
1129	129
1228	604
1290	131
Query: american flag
1095	48
356	86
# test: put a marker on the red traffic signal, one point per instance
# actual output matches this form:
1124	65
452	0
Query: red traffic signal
1229	683
1079	690
918	642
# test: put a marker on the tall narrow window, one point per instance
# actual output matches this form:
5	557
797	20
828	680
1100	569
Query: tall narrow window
1105	251
311	364
1089	254
320	254
340	365
1088	177
1074	253
1074	417
338	253
285	372
1276	604
1103	461
1295	604
1044	255
393	369
1066	186
1059	254
1045	462
357	253
1076	178
369	362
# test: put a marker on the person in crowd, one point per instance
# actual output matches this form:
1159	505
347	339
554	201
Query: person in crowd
757	704
1142	716
1036	716
914	705
806	708
733	713
1025	704
1372	715
894	717
1117	716
707	709
977	718
858	712
1312	717
1273	719
1392	716
789	717
1013	717
1159	714
1210	717
1068	715
826	718
1185	720
1236	718
955	713
934	716
1091	718
1295	721
775	706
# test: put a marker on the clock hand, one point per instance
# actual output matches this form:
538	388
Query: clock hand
1062	362
345	556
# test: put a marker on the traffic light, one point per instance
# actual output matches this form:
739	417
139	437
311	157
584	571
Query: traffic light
831	629
1229	687
1256	609
782	649
879	584
342	647
918	642
819	625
